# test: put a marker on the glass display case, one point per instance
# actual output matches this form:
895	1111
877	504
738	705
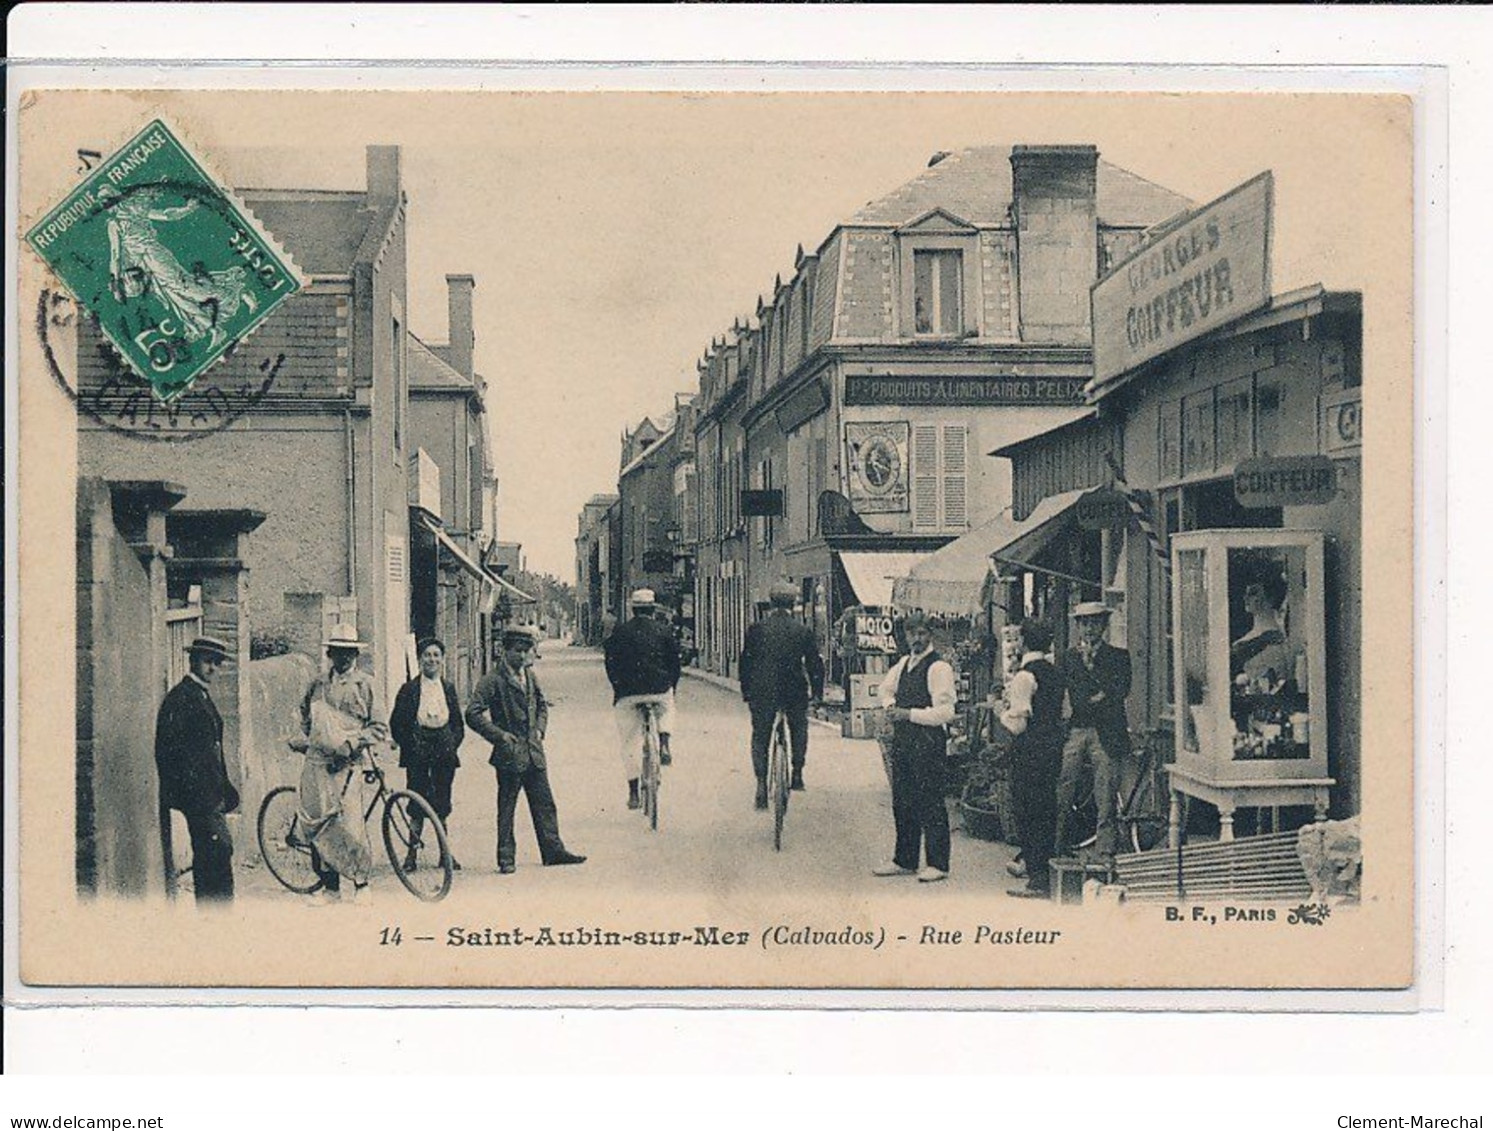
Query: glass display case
1250	668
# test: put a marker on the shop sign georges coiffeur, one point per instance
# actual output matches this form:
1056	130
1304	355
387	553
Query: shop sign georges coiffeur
1205	272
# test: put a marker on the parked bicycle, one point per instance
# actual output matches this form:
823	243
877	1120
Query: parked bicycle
1141	798
285	840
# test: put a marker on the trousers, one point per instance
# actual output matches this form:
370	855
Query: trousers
1035	761
1083	749
212	856
533	781
432	781
764	713
630	726
919	812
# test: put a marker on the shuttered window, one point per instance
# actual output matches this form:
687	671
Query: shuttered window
955	463
940	476
925	476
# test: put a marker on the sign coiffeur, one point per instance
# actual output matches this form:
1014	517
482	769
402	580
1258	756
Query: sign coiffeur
1196	276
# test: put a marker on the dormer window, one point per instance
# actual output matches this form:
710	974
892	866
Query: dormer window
938	292
940	280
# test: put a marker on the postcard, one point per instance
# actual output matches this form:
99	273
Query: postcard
621	540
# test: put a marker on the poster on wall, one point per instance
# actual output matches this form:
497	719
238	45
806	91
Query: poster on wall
877	457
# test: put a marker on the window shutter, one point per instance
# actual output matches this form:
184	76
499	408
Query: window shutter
925	476
955	464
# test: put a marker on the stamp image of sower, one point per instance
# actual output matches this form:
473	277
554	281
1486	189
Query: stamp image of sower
173	270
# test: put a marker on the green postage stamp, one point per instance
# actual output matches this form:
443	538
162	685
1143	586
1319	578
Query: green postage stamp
175	272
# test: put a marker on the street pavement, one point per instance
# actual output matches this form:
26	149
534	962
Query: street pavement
710	838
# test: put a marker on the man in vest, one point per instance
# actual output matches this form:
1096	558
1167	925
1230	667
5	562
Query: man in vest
1097	677
921	688
1034	715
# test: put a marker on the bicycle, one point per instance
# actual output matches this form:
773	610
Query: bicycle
1140	808
285	840
650	777
778	769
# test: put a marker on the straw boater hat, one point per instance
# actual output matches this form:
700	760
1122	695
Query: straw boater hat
643	599
343	637
208	646
1090	609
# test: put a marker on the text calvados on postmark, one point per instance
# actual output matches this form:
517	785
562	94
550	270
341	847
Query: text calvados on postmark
175	272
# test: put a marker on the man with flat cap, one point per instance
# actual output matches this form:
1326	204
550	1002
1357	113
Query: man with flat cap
510	711
1097	676
193	774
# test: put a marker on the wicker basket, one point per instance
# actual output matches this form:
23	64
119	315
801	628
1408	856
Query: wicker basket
990	822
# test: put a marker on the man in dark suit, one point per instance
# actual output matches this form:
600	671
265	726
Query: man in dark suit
193	775
509	710
643	666
780	669
1097	676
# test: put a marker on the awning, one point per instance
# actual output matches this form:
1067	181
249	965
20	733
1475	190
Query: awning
951	580
1051	518
871	574
472	567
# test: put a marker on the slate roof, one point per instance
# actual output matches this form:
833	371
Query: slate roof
322	231
429	371
975	185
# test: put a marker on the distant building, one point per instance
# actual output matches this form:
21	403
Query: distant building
591	568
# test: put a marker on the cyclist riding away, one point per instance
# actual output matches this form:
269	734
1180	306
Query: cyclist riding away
642	661
780	670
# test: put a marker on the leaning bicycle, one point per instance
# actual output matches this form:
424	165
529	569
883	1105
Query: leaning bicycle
650	776
778	770
286	838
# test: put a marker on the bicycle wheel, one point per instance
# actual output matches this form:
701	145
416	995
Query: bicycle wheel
1143	816
778	779
282	843
652	775
429	880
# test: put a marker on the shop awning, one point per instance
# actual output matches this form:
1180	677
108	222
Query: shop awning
952	580
1052	517
466	563
872	573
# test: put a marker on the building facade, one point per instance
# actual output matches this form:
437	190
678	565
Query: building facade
1282	384
591	570
934	325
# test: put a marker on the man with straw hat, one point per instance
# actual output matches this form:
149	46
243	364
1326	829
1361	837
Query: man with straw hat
193	774
340	716
1097	676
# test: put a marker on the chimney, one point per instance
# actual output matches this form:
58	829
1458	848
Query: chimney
383	175
1054	207
459	323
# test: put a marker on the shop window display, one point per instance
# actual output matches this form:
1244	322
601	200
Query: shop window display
1248	656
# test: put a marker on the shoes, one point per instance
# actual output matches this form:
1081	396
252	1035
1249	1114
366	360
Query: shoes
507	869
633	800
1016	868
798	778
565	858
892	868
362	895
410	863
761	802
455	864
1029	893
932	875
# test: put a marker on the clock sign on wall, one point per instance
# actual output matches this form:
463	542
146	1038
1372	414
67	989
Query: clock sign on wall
877	457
